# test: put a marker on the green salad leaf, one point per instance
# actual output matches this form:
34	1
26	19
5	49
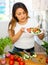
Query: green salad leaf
45	45
3	43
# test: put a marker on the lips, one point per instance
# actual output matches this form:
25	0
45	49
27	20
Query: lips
23	18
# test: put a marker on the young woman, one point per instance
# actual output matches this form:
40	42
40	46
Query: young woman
20	22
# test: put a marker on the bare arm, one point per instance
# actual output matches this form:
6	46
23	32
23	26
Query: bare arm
14	37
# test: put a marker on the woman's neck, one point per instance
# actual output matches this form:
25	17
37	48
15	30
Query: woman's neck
22	22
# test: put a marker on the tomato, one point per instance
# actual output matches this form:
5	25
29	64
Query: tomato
21	63
11	57
35	29
19	59
11	62
47	60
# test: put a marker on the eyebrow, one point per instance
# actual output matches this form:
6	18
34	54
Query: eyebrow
20	12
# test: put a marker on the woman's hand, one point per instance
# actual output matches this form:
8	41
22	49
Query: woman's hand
22	29
41	36
29	30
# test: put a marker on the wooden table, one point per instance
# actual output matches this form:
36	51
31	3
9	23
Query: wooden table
39	60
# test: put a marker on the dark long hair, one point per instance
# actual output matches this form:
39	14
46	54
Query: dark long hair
14	18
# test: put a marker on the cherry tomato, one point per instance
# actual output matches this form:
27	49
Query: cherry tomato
47	60
19	59
11	62
11	57
35	29
21	63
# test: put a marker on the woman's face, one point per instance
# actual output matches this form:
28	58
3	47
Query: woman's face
21	15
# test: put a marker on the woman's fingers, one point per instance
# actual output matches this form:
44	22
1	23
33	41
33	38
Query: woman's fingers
22	29
41	36
29	30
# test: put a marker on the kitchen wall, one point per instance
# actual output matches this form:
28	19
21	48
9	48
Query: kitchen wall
4	29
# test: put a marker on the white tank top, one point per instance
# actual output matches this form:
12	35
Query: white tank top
26	40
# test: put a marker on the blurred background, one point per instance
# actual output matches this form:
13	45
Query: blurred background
37	9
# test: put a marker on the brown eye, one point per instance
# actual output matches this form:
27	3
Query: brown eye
19	13
24	13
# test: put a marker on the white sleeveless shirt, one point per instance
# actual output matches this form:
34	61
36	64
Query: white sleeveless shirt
26	40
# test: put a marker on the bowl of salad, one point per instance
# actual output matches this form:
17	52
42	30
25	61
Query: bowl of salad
36	31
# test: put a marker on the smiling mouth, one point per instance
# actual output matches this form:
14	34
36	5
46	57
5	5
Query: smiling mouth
22	18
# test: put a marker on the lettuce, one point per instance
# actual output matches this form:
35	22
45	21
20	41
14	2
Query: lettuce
3	43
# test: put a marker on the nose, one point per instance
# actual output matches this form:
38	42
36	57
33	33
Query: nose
22	15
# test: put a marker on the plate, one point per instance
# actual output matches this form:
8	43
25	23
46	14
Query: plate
40	31
35	32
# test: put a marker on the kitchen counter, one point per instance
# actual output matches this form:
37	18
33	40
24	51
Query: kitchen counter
39	60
